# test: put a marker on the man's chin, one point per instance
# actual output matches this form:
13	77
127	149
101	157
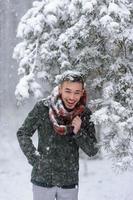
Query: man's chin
70	106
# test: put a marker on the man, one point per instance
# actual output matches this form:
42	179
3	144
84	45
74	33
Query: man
63	124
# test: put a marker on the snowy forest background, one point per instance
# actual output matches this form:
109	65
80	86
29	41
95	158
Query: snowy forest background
93	36
10	14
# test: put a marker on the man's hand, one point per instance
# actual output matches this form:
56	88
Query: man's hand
76	123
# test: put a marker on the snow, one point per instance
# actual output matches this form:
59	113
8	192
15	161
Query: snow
120	10
43	75
35	88
108	90
113	8
26	82
51	20
105	20
22	88
98	181
69	74
19	50
88	7
100	116
103	9
101	182
51	7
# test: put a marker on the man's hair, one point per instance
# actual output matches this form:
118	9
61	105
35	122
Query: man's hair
73	76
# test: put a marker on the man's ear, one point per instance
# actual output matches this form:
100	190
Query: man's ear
83	92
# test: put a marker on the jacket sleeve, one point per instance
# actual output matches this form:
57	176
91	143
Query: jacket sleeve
26	131
86	138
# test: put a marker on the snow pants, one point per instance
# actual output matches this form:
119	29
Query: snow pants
54	193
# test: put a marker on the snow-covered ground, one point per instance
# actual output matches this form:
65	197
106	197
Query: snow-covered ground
97	179
102	183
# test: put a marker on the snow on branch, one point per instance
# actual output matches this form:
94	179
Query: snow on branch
93	37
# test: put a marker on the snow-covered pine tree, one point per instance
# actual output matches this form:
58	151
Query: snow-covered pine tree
91	36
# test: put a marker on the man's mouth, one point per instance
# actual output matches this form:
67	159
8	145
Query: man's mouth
70	103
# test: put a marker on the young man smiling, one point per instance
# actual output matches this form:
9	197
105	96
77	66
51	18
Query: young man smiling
63	124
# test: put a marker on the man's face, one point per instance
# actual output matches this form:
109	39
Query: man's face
71	92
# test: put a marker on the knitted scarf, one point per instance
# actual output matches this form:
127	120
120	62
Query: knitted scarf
60	116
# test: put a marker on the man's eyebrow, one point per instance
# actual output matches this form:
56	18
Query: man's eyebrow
71	90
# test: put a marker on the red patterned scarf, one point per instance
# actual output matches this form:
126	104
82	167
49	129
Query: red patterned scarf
60	116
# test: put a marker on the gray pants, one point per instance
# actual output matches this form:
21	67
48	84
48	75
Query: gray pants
54	193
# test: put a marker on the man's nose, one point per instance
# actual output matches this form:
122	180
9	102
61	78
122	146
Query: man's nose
72	96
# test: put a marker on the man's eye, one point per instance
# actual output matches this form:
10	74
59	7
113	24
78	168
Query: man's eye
67	91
